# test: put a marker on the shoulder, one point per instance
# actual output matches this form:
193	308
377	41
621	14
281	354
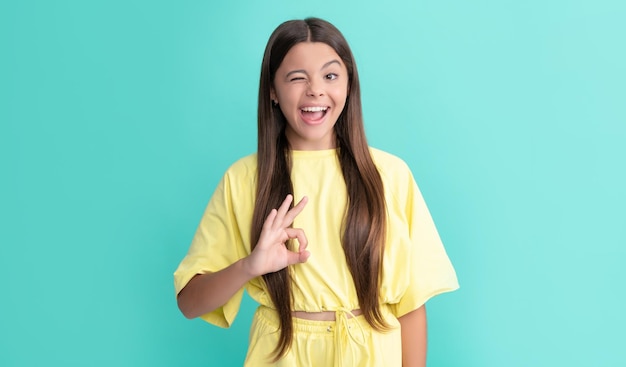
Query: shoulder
391	167
243	170
397	178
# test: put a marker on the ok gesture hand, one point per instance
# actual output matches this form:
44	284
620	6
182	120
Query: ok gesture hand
270	253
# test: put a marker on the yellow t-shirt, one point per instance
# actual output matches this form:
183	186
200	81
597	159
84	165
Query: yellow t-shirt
415	265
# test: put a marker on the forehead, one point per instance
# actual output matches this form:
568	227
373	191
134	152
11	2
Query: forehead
309	55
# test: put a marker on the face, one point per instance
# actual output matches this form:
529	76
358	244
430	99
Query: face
311	87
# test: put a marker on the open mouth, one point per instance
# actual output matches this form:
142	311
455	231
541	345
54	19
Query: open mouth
314	113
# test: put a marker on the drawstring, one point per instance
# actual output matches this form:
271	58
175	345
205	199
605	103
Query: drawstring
342	328
341	317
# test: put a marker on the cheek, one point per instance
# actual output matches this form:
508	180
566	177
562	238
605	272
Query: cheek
341	97
288	107
340	93
290	112
288	96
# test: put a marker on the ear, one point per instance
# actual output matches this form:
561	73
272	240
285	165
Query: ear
273	95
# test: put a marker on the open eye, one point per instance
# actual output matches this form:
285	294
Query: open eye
331	76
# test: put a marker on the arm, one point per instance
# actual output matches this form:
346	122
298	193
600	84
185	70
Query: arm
414	338
207	292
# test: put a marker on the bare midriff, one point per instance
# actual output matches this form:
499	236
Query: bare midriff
323	316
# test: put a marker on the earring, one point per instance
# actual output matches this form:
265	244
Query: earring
274	102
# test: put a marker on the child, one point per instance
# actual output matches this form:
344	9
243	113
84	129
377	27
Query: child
343	275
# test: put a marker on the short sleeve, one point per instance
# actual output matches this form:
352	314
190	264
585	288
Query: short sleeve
217	244
430	270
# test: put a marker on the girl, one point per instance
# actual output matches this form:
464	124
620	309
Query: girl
343	275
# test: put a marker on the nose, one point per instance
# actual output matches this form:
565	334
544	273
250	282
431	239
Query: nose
314	89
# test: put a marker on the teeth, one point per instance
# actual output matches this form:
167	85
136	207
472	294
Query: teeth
314	109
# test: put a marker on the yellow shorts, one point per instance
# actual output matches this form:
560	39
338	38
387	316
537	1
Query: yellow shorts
344	342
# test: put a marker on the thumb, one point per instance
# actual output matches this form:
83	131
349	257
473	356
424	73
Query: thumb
297	257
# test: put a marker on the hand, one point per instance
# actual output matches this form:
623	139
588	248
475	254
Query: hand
270	253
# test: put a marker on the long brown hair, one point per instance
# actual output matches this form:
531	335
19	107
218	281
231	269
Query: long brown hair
365	221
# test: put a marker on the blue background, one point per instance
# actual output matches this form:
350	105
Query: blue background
118	118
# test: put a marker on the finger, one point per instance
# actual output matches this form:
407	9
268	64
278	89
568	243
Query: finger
291	214
284	207
298	234
297	257
304	256
269	220
303	246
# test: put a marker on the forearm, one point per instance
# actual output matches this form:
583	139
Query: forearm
414	338
207	292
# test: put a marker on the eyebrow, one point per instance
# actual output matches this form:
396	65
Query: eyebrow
323	67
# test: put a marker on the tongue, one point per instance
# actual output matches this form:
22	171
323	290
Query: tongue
314	115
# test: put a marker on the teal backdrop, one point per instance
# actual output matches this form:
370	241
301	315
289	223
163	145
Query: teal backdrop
118	118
